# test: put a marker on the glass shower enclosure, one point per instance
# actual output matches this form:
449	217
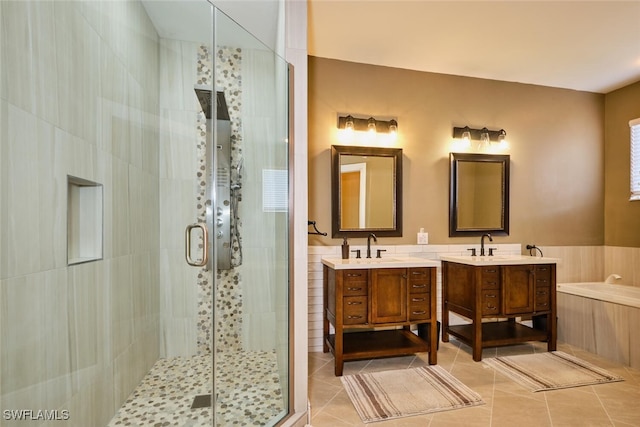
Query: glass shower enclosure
232	190
144	175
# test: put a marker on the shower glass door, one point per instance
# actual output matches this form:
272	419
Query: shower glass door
224	122
250	336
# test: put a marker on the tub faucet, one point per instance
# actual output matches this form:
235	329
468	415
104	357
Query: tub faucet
612	278
375	239
482	242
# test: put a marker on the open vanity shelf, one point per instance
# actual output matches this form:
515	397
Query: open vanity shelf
495	334
493	292
374	344
372	305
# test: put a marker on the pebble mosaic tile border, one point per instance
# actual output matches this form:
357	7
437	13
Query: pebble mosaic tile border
229	299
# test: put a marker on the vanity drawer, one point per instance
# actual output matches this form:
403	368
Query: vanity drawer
355	282
419	288
422	275
543	298
419	306
490	302
543	275
354	311
490	277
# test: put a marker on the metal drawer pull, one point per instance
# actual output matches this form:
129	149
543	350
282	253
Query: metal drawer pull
354	303
354	289
491	307
543	304
354	317
418	299
354	274
542	280
491	271
419	286
489	296
418	272
492	283
419	312
541	293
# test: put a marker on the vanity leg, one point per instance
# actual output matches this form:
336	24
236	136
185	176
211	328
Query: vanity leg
338	351
552	318
433	342
445	308
476	338
325	318
551	331
429	333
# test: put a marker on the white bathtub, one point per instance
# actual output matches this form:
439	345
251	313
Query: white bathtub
617	294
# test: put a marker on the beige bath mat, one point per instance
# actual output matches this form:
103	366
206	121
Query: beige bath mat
401	393
550	371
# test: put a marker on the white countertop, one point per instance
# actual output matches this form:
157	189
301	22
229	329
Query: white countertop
389	262
498	259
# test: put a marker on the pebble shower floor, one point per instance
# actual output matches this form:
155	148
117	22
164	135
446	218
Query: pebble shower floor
249	392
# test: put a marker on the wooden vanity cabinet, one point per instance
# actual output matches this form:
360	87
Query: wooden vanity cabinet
500	293
357	301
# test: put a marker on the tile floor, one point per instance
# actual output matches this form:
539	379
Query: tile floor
507	403
249	392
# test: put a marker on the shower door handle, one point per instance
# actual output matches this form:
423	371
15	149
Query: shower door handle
205	246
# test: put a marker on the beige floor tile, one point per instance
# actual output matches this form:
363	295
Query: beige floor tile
567	405
507	403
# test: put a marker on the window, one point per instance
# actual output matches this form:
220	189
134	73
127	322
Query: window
635	159
275	190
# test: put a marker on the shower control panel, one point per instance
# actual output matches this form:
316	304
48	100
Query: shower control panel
223	205
218	245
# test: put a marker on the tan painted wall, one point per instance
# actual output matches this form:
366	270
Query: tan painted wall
556	135
622	217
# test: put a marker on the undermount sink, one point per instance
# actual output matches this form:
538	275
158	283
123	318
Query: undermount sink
498	259
397	262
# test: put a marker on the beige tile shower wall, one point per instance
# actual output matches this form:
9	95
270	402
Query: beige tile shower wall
178	189
78	96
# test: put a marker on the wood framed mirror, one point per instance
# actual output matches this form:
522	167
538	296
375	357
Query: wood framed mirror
478	194
366	191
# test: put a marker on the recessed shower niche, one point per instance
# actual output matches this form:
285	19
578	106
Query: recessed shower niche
84	220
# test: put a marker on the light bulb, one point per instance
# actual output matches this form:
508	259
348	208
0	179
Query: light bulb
371	125
393	129
348	124
466	134
502	139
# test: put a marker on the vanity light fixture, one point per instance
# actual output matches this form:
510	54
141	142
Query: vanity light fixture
367	129
367	124
489	139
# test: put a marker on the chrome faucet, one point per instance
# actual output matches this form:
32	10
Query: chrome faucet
482	242
375	239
